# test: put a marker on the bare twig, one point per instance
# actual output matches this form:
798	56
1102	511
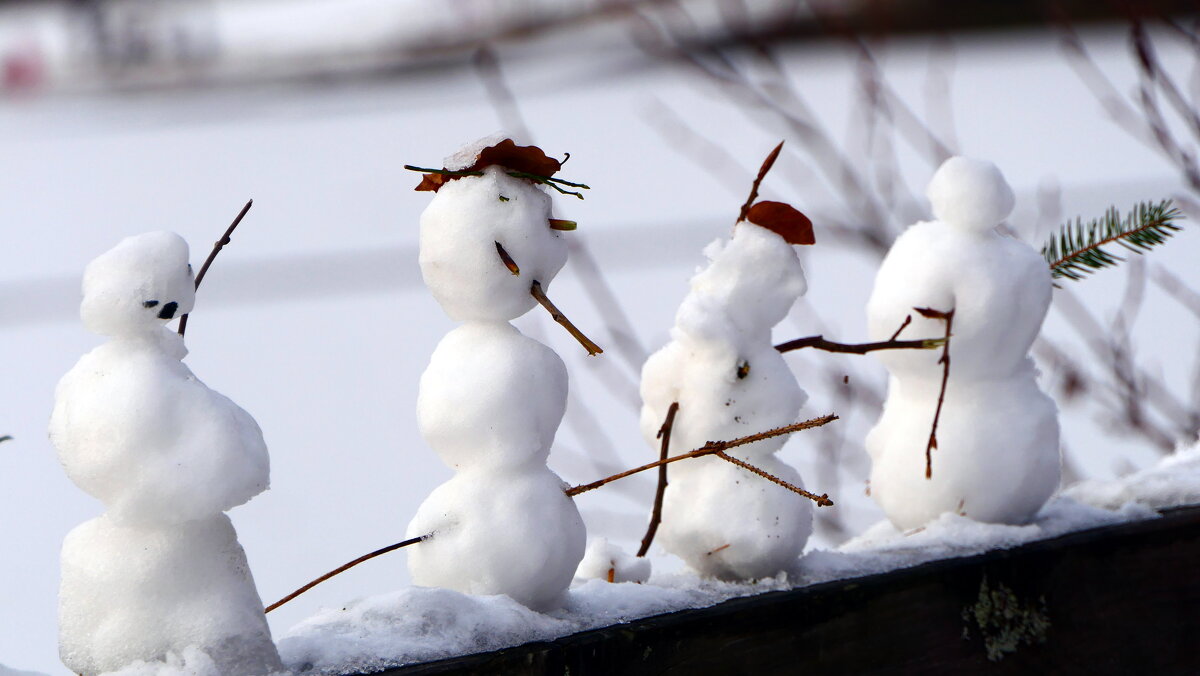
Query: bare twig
220	244
903	325
821	500
948	317
664	433
820	343
707	449
762	173
592	348
348	566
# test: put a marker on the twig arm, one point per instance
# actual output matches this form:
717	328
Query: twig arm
948	317
536	289
212	255
344	568
819	343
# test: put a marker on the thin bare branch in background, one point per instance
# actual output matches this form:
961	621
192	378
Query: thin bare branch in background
499	94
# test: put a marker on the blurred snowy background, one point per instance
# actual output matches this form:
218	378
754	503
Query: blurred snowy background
118	117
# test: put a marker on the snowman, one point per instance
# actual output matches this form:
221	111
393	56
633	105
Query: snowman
729	381
491	398
161	571
997	452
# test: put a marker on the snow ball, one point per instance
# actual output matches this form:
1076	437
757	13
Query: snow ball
491	397
136	429
607	561
138	285
460	230
507	531
970	194
131	593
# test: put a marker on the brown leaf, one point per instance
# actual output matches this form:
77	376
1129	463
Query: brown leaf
527	159
430	183
784	220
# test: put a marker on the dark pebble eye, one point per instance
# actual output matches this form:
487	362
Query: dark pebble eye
150	303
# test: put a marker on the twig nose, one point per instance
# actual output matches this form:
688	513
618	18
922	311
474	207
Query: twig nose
168	310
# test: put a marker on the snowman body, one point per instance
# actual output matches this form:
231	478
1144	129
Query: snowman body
997	455
161	570
723	370
491	400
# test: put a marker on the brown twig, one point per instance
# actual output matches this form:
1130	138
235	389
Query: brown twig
821	500
903	325
820	343
220	244
348	566
707	449
664	433
762	173
508	261
556	315
948	317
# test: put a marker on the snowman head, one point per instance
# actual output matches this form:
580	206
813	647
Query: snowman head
138	285
970	194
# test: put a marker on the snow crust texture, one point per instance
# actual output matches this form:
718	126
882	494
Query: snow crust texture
997	456
723	370
491	400
161	571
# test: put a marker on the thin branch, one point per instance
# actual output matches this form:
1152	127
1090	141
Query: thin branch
948	317
903	325
820	343
762	173
536	289
821	500
664	433
707	449
348	566
220	244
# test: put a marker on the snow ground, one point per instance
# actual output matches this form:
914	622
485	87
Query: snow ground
419	624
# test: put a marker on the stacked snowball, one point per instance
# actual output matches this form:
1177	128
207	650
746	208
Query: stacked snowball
491	400
997	455
161	571
729	380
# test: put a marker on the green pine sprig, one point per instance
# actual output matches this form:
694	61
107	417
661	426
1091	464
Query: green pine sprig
1078	249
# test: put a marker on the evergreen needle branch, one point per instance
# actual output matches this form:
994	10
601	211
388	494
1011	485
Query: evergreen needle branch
819	342
707	449
664	433
821	500
947	317
220	244
348	566
1078	249
536	289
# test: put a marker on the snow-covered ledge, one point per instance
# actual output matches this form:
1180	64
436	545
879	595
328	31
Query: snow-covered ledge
1098	558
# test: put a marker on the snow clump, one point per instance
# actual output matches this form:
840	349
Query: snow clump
997	453
604	560
730	381
161	571
491	400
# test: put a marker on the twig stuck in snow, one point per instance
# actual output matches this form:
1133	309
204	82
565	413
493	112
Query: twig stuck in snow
821	500
220	244
709	448
592	348
820	343
348	566
762	173
664	433
947	317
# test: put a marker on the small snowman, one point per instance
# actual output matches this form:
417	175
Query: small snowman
729	381
996	457
161	571
491	399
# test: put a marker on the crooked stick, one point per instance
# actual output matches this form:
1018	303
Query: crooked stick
762	173
947	317
664	433
220	244
707	449
821	500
